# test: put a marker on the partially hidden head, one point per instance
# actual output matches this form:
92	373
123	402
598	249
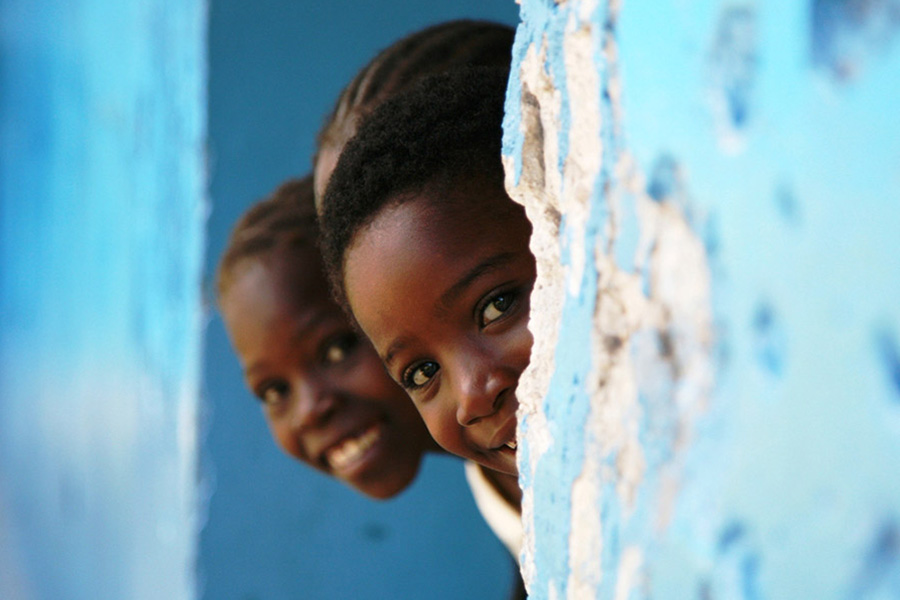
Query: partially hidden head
431	255
323	390
439	48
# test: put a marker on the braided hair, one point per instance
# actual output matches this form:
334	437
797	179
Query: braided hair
433	50
286	218
443	133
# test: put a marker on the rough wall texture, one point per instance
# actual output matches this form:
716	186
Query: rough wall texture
102	185
713	405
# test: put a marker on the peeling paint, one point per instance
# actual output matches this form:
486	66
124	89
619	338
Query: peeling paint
730	535
788	204
733	65
846	32
889	351
880	572
627	578
725	316
649	273
770	339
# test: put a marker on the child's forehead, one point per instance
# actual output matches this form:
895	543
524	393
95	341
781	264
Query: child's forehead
452	221
472	198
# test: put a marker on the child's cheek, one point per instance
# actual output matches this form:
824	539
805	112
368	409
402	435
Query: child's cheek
439	423
285	439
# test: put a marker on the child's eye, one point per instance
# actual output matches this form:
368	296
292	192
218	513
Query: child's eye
495	308
273	393
338	349
417	376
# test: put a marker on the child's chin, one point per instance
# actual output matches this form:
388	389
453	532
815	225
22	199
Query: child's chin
507	461
385	487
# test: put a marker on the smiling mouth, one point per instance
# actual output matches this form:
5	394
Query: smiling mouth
510	445
346	453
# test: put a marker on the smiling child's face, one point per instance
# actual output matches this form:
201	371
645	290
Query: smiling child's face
441	286
324	392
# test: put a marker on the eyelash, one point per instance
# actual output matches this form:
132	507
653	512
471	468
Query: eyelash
279	387
346	343
408	381
512	297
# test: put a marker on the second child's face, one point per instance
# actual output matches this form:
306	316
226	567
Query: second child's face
323	389
442	286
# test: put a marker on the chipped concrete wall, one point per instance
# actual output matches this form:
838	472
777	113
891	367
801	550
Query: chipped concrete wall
713	405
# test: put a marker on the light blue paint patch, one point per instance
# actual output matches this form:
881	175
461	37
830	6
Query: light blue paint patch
610	513
556	66
529	33
513	136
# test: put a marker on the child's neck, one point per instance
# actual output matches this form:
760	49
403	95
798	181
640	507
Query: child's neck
506	485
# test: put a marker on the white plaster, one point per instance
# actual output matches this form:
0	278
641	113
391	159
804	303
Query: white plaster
527	566
585	148
538	191
615	416
586	9
629	572
585	570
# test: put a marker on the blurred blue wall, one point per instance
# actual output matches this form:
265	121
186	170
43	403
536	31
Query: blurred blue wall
276	529
102	183
104	166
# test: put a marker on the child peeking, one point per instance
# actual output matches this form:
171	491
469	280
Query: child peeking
324	392
431	256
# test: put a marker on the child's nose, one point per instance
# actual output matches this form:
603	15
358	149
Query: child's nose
481	392
314	403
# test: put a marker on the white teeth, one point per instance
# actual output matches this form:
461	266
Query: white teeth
511	444
345	453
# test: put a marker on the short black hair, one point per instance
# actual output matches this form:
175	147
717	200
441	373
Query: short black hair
446	129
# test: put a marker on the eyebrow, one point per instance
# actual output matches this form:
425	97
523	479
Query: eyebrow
396	346
486	266
299	330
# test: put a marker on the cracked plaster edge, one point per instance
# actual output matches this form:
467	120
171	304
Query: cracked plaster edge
538	191
614	418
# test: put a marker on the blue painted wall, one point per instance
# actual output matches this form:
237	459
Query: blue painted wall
760	463
102	186
276	529
118	440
